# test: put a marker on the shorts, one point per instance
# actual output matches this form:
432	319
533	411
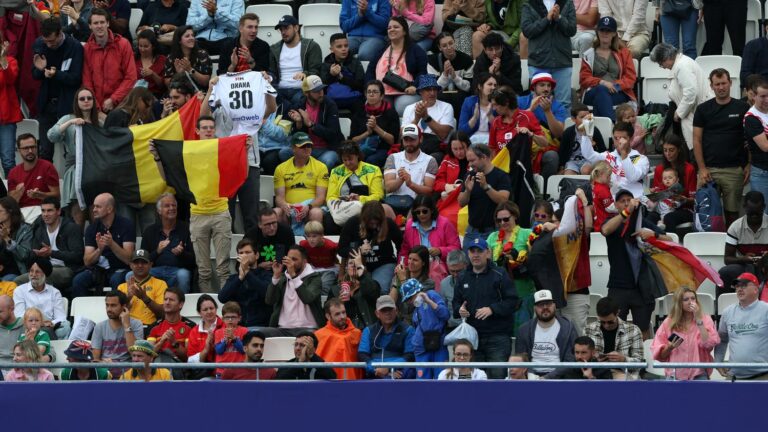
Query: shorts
631	300
730	183
576	164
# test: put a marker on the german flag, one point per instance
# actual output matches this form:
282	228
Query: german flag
117	160
204	170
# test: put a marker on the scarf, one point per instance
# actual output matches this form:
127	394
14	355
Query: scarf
377	111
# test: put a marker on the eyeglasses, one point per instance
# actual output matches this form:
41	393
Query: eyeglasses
230	318
85	98
372	92
503	220
28	148
540	215
418	212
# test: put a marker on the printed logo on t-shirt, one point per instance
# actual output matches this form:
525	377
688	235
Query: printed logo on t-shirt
508	136
544	347
743	328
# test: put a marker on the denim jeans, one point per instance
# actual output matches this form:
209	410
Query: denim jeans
383	276
758	180
84	281
672	26
8	147
327	156
173	276
563	78
494	348
367	48
602	101
472	233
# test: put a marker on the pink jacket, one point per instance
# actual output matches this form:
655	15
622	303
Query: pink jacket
444	236
427	17
692	350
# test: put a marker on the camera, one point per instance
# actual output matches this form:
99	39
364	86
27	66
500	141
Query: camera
156	28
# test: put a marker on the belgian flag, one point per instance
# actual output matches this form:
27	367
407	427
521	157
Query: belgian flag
118	161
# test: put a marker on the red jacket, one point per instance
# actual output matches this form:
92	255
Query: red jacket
446	174
444	236
10	110
109	71
627	72
196	342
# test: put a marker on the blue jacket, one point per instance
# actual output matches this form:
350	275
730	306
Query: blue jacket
558	110
374	344
223	24
67	79
467	110
427	319
272	136
492	288
372	24
250	294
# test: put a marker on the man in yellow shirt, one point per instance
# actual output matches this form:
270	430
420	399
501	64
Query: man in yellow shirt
145	293
143	352
301	184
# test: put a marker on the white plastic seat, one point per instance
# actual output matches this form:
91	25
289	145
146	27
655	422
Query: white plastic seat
318	22
232	247
539	181
655	81
346	126
726	300
648	355
278	349
189	310
598	264
593	299
92	308
728	62
553	183
710	248
58	347
133	22
437	22
707	303
524	78
269	16
575	69
267	190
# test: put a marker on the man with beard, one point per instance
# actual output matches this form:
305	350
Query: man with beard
181	92
170	334
38	294
247	51
718	137
112	337
546	338
339	340
434	117
487	298
254	350
58	239
318	117
32	180
291	60
304	350
550	113
408	173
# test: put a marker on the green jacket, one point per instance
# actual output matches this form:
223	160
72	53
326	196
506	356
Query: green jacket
309	294
311	59
511	24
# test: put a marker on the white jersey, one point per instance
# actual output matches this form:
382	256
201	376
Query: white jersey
241	98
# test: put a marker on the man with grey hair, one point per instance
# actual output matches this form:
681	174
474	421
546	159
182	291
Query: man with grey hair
109	243
456	261
169	245
484	188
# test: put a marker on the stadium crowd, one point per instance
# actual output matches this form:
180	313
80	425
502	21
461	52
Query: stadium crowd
432	111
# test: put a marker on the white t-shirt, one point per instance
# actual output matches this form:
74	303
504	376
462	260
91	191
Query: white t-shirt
422	167
290	65
477	374
545	349
52	239
441	112
242	97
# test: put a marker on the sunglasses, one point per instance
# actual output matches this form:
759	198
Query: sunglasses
503	220
540	215
421	212
85	98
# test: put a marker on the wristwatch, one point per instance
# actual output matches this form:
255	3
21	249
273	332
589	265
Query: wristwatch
428	118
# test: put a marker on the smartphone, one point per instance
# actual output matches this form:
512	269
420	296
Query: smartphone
602	356
673	337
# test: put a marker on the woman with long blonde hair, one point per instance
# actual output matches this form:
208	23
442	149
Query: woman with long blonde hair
686	335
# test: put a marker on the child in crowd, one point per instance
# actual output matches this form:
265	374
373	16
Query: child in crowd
542	212
663	199
344	75
33	322
228	340
602	200
322	253
572	160
645	126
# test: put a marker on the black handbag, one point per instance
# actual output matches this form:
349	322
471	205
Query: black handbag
396	81
677	8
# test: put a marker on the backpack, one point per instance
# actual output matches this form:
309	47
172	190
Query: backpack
709	209
568	187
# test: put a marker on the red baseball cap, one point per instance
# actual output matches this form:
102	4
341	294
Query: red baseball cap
745	278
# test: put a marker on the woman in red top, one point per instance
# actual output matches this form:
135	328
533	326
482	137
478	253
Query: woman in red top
676	156
454	166
200	347
150	63
10	110
511	121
